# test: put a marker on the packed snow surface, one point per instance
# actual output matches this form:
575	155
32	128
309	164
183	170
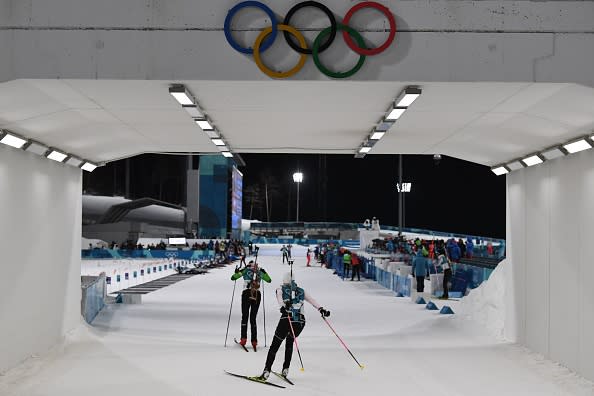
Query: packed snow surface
173	344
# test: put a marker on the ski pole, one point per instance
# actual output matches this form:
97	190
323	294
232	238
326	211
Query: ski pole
295	340
230	308
343	344
264	308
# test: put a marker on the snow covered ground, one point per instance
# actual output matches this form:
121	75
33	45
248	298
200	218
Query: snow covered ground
172	344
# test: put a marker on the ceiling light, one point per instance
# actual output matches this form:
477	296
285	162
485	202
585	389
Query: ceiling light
384	125
552	153
408	96
89	167
180	94
204	124
577	146
36	148
532	160
500	170
13	140
213	134
218	142
223	148
74	161
227	154
193	111
377	135
56	155
515	165
365	149
395	113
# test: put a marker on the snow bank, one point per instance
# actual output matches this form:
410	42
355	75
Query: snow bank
486	304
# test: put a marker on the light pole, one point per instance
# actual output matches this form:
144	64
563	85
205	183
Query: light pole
298	178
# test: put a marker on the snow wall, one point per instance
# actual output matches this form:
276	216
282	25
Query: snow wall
550	230
40	229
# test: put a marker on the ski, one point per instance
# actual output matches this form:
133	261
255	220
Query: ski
283	377
255	379
243	346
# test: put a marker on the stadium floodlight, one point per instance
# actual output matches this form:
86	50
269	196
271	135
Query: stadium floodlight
552	153
218	142
515	165
532	160
375	135
406	187
500	170
89	167
12	140
56	155
205	124
227	154
193	111
181	94
408	96
577	146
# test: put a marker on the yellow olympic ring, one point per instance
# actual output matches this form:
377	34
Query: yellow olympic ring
272	73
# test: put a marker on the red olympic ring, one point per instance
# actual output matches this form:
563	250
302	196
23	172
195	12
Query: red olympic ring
371	51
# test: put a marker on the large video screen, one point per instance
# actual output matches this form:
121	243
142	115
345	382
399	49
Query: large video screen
236	199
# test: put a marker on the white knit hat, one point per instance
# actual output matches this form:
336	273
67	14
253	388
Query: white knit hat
287	278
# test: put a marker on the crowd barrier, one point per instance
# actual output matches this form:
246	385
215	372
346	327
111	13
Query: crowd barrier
93	296
397	279
178	254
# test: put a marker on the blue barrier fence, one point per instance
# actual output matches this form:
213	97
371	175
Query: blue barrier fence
465	276
147	254
93	296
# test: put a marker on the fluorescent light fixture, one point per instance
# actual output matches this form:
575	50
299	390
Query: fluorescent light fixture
552	153
500	170
377	135
396	113
204	124
36	148
408	96
74	161
577	146
89	167
57	155
532	160
365	149
223	148
298	177
515	165
180	94
213	134
193	111
13	140
218	142
227	154
384	125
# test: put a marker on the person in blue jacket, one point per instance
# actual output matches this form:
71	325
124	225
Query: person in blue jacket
420	269
469	247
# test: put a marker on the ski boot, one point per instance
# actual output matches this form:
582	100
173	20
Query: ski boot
255	346
265	375
285	372
243	341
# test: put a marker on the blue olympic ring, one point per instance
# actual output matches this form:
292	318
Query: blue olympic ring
245	4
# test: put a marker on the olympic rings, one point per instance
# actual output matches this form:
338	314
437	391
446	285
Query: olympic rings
322	42
323	68
379	7
235	10
325	10
264	68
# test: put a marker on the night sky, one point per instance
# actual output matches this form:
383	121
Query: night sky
454	196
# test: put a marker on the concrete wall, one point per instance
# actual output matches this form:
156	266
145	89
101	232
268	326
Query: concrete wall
543	41
40	228
550	234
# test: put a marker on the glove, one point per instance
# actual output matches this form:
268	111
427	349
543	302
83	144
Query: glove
263	270
284	311
237	271
323	312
